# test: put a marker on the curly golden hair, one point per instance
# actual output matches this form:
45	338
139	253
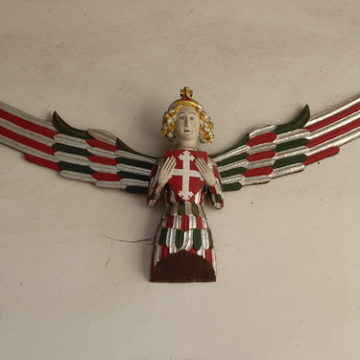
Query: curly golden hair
206	133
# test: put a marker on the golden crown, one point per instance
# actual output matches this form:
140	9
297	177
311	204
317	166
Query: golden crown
186	99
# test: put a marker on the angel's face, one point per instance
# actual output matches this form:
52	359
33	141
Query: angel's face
187	125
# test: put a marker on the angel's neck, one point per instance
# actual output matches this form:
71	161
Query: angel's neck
190	145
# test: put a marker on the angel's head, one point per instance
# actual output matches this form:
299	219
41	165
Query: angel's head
187	119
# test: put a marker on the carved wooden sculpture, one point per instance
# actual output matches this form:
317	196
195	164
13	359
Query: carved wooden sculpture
183	244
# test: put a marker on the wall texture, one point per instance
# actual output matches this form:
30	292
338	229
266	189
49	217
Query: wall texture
288	252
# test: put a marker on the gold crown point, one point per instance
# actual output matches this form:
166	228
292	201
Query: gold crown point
186	92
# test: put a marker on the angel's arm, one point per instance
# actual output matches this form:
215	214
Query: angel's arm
155	189
215	190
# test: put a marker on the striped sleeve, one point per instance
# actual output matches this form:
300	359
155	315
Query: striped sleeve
215	192
155	190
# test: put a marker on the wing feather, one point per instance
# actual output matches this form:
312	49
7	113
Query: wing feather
274	151
95	156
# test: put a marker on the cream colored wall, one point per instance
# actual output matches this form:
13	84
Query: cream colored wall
288	252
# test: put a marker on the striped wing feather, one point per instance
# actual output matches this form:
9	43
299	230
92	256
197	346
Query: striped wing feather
274	151
94	156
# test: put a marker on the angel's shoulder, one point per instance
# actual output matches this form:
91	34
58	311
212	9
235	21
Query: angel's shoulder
211	161
160	161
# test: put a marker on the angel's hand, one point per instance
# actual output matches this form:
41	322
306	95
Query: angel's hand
166	170
205	171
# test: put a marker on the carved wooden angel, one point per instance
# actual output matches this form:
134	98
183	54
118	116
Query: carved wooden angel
184	175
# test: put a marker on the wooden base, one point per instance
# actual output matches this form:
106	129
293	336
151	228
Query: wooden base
182	267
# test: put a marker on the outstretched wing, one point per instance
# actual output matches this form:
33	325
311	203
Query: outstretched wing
279	150
94	156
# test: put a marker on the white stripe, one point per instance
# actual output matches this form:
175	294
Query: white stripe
335	125
71	141
263	130
241	163
333	111
26	116
157	254
233	179
129	155
290	152
189	240
255	180
110	184
26	149
205	239
201	252
337	141
213	260
290	169
27	133
101	152
291	135
77	176
262	147
177	221
238	150
71	158
170	240
133	169
135	182
260	163
103	168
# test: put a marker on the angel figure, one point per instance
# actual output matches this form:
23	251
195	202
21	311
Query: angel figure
184	175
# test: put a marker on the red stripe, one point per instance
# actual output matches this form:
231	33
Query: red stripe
101	144
164	251
332	134
106	176
26	141
185	222
266	170
322	155
42	162
333	118
261	155
261	139
102	160
193	251
26	124
199	222
208	256
170	221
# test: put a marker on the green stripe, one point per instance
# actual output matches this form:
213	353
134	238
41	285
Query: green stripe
70	149
232	159
232	187
132	162
195	209
218	198
129	175
137	189
196	239
297	123
179	240
291	144
61	126
162	237
211	241
289	161
74	167
231	172
122	146
181	208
